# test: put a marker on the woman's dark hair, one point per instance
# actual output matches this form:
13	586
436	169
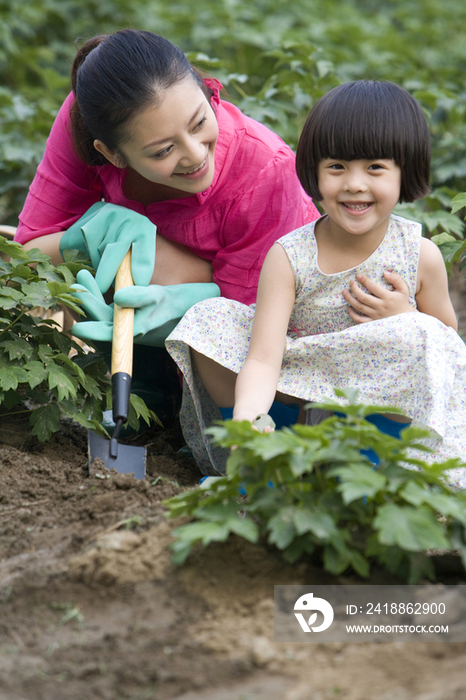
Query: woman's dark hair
366	120
113	78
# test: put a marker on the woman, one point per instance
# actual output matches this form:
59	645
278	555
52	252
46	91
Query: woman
143	130
145	133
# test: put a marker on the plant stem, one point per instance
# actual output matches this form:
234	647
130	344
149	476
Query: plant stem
240	90
5	330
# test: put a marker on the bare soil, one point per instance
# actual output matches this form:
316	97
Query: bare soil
91	606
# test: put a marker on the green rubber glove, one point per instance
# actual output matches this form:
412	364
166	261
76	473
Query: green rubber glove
93	302
105	233
157	309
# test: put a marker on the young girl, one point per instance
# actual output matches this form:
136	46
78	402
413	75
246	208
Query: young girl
357	299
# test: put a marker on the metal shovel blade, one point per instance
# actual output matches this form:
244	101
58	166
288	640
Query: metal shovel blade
130	459
126	459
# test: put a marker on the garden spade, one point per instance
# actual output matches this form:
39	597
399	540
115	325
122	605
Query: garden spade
124	458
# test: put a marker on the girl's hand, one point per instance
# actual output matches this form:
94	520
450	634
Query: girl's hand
263	423
380	302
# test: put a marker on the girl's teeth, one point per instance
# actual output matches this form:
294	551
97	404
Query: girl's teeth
357	207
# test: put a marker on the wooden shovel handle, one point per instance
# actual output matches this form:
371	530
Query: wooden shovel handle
123	322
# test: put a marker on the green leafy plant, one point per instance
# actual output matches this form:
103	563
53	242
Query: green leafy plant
453	250
434	215
37	374
311	493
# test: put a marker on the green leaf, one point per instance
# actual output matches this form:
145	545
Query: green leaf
267	446
11	376
441	238
359	563
65	384
37	373
281	528
45	353
96	388
420	567
458	202
393	559
443	220
61	342
181	550
204	532
299	546
45	421
13	249
219	512
9	297
244	527
338	557
310	510
319	523
411	528
358	480
447	504
36	294
414	493
452	250
336	561
142	411
17	349
186	500
86	422
75	368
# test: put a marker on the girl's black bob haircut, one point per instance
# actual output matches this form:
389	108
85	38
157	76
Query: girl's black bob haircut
366	120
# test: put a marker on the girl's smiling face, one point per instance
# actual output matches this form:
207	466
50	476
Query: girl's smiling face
173	143
359	195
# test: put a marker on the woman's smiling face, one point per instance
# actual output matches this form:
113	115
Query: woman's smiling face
172	143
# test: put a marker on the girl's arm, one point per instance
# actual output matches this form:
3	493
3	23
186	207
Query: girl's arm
432	296
257	381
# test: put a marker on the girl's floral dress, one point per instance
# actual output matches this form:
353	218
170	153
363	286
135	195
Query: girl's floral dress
411	361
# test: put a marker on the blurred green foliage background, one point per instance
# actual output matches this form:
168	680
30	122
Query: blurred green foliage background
274	57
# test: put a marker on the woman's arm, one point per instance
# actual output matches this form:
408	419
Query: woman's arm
257	381
63	189
49	244
432	296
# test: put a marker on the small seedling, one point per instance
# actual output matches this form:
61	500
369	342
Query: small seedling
166	480
131	523
70	612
